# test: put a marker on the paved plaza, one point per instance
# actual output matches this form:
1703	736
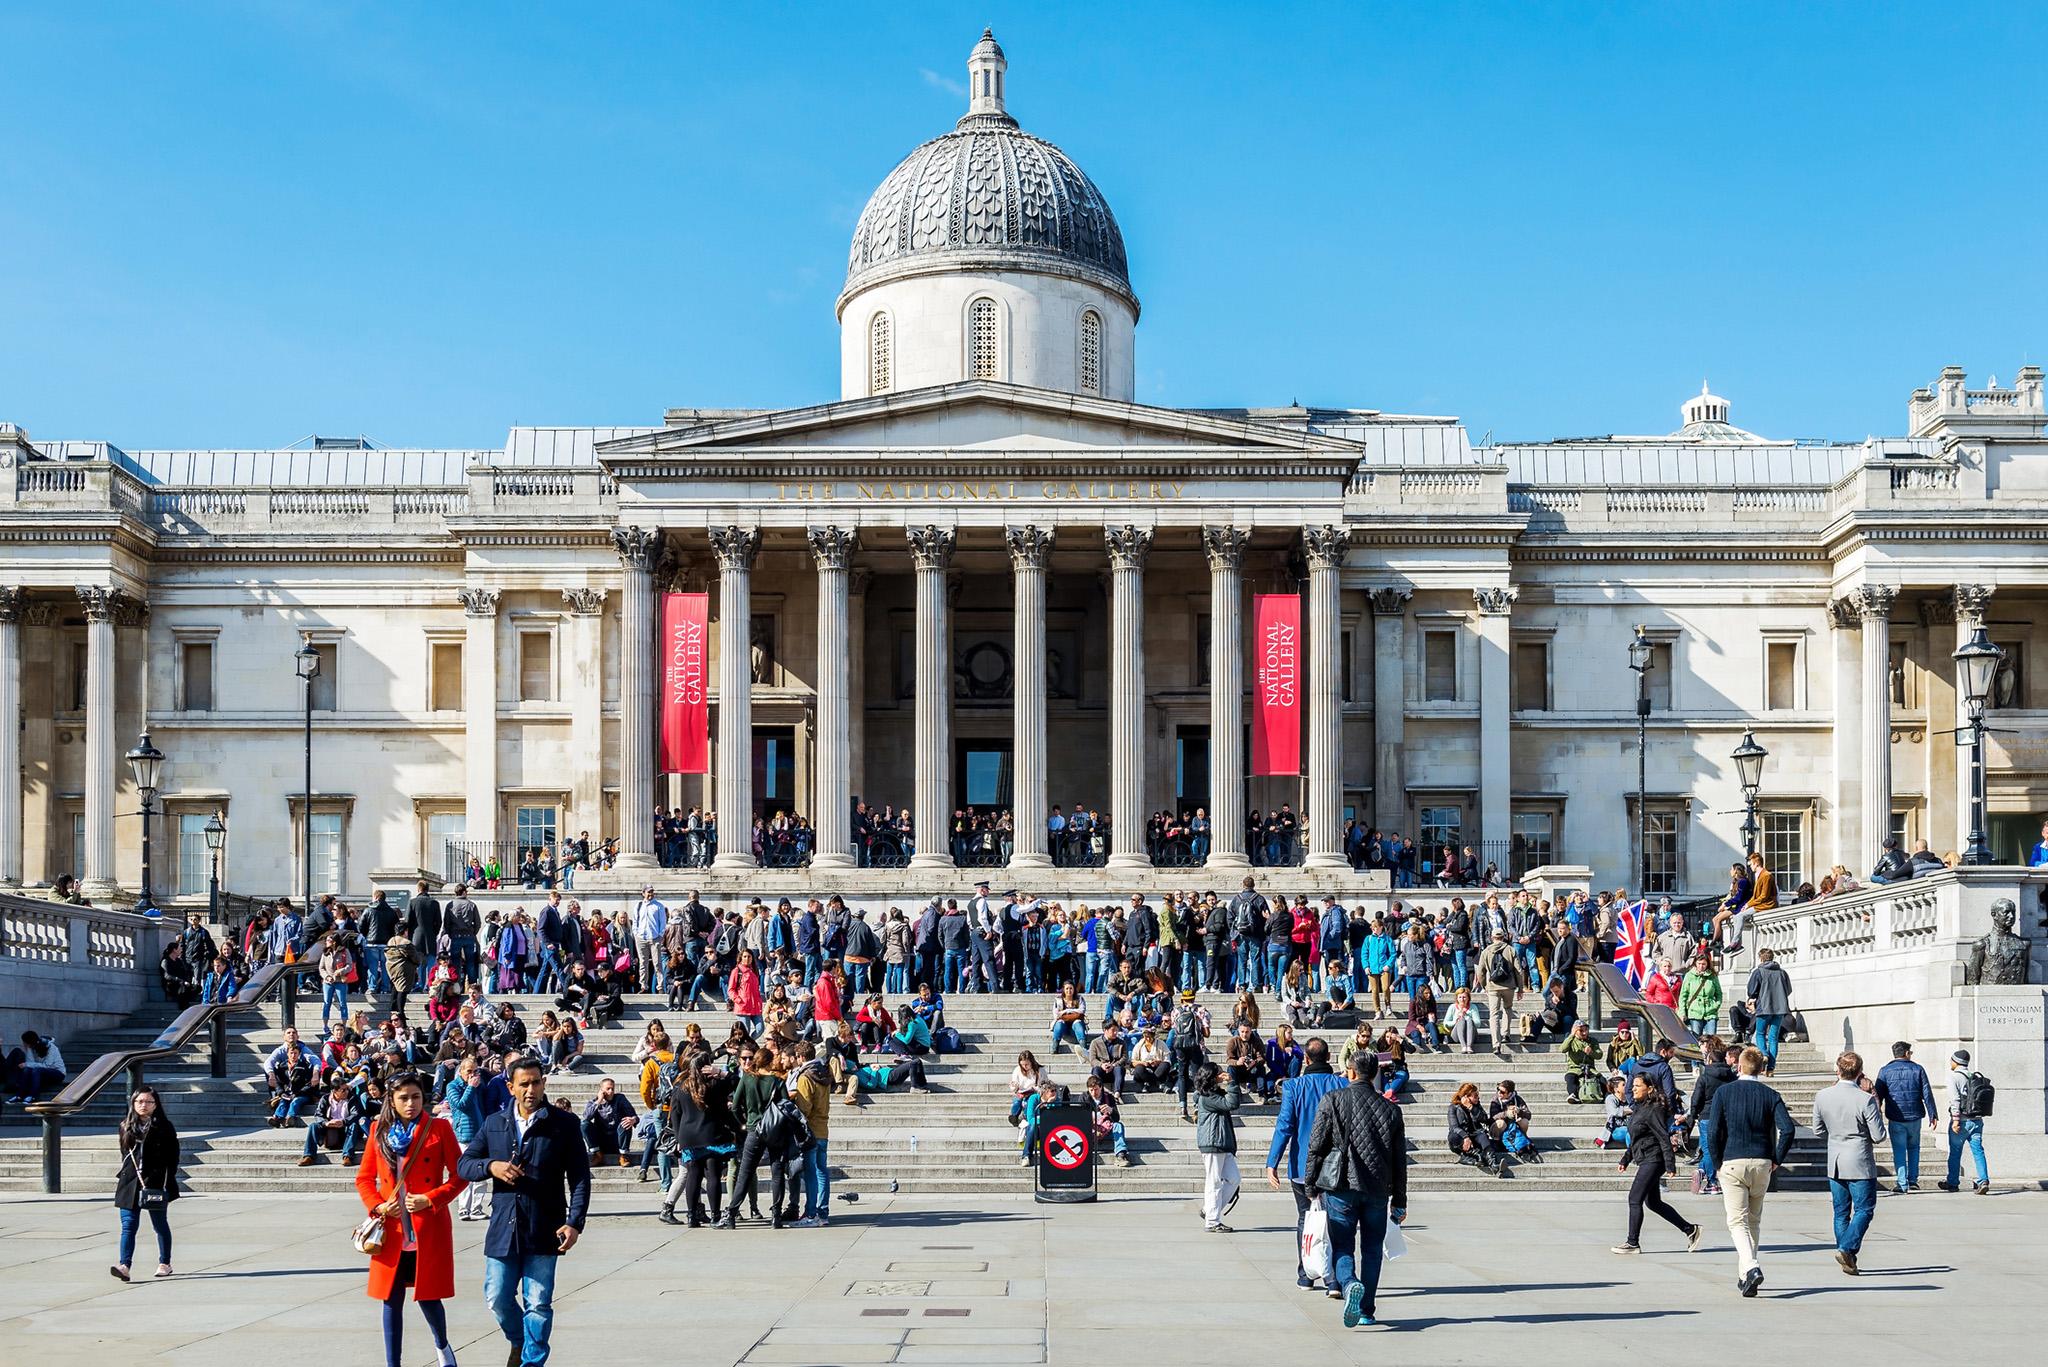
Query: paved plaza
1489	1280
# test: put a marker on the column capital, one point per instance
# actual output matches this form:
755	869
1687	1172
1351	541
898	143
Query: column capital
1872	602
831	547
735	547
1225	546
39	612
1495	602
13	604
584	602
638	547
1842	614
1325	545
931	546
479	602
859	579
1391	602
1971	602
1030	546
1127	545
99	603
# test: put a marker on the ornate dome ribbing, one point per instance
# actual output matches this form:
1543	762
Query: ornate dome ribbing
987	196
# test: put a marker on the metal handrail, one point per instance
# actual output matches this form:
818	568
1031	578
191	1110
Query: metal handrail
1659	1021
87	1084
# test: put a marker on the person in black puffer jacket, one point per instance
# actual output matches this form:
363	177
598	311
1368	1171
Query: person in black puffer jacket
1715	1073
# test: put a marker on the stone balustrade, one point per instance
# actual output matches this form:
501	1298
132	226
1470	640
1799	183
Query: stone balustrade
66	969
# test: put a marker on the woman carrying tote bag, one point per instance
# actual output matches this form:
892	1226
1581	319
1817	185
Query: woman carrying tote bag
148	1180
407	1179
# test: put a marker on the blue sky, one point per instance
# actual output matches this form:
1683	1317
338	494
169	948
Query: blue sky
235	224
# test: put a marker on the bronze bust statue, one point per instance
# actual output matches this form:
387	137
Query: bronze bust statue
2000	958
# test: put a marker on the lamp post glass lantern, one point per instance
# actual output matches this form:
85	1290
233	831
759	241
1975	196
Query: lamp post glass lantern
1977	661
216	838
1639	657
307	663
148	763
1749	772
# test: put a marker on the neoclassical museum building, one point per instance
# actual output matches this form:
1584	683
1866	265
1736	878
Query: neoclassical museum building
983	576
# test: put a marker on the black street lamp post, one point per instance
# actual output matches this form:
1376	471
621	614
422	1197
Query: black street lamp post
148	763
216	837
307	662
1977	662
1639	658
1749	771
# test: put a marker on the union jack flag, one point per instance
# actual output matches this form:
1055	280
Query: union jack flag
1632	943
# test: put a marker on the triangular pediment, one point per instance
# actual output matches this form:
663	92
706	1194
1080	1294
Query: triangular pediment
971	415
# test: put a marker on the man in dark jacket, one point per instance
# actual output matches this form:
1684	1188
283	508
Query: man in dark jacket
1749	1132
540	1193
1300	1099
1892	866
423	922
1141	933
1715	1073
1908	1096
1358	1159
464	923
380	923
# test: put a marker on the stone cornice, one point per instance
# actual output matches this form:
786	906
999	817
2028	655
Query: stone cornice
806	463
326	555
1667	554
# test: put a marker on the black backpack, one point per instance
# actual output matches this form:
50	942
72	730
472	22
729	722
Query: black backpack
728	939
665	1079
1502	973
1976	1098
783	1129
1187	1030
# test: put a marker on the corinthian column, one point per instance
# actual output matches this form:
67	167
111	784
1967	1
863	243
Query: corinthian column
12	602
100	606
1127	548
1496	784
1030	552
1225	547
480	714
735	548
1873	604
932	549
1389	701
1973	601
1325	547
832	799
639	549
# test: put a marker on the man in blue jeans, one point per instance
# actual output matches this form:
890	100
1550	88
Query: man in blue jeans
1849	1116
540	1193
1357	1158
1908	1097
1963	1130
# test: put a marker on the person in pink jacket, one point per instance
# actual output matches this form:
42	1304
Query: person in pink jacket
743	989
1661	988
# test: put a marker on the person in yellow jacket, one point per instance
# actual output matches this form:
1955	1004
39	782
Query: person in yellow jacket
657	1055
810	1086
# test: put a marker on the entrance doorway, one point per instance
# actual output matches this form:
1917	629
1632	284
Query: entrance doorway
774	771
1190	768
982	776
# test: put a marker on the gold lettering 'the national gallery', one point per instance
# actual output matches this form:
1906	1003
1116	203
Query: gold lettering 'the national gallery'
982	491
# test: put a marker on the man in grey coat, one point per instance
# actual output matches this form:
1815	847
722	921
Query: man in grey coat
1849	1116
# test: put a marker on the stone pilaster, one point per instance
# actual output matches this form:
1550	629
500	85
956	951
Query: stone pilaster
1873	605
1128	546
1972	605
582	669
639	551
1030	556
736	548
931	549
101	607
1389	708
480	714
1225	547
831	811
1496	784
12	602
1325	547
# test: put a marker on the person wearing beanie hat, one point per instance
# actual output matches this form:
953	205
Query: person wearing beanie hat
1190	1024
1964	1130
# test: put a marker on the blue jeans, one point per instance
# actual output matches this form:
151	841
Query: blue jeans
1191	966
1460	971
159	1220
351	1139
548	977
1073	1030
896	979
376	977
333	997
1116	1136
813	963
1358	1236
1251	964
817	1181
521	1292
468	959
1906	1151
1527	954
1277	955
1769	1030
956	969
1972	1134
1855	1203
1707	1167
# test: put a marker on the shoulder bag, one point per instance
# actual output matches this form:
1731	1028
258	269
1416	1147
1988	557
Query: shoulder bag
368	1236
147	1197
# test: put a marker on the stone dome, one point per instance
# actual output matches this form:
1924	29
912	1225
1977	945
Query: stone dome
988	196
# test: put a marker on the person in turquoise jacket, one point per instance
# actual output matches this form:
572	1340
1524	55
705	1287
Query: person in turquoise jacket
1299	1099
1378	953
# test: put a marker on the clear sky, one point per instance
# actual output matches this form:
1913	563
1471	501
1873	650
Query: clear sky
233	224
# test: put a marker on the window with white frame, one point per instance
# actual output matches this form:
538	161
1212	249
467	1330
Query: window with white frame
1440	666
1441	825
324	851
983	341
1532	842
1781	675
440	827
533	827
1662	831
1091	352
1784	846
194	859
879	358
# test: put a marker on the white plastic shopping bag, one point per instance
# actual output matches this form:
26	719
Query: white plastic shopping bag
1315	1243
1397	1242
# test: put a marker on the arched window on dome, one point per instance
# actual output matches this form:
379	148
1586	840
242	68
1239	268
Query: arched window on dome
1091	352
879	359
984	347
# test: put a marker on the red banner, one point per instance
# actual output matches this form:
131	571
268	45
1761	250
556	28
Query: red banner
1276	684
685	685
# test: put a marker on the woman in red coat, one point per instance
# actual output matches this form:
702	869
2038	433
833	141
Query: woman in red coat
408	1177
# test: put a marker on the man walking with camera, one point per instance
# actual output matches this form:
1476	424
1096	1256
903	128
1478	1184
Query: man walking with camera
540	1193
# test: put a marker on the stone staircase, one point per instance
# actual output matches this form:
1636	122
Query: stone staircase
953	1140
